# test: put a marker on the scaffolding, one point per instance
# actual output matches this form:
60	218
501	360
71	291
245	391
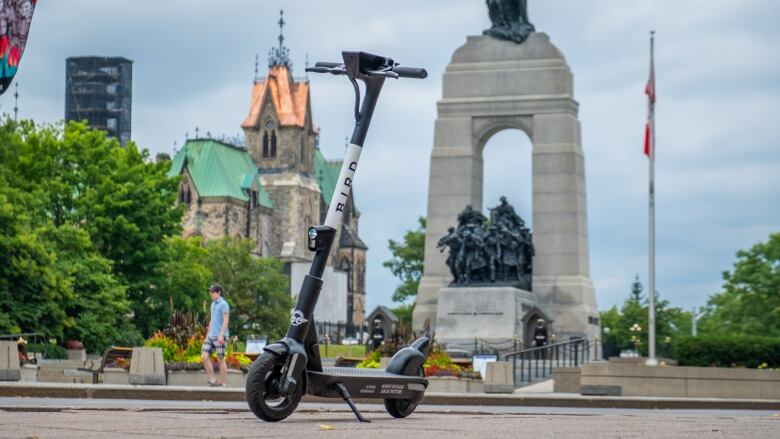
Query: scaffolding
99	90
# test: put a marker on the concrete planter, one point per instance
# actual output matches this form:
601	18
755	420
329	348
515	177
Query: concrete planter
29	373
115	375
454	385
198	378
566	379
681	381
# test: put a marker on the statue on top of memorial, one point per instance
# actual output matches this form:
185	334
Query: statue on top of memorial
499	251
510	20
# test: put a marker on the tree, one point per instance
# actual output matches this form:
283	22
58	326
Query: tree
750	301
124	202
257	289
636	290
106	207
31	291
184	280
407	262
670	322
97	309
404	313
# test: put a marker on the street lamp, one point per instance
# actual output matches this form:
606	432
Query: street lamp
635	330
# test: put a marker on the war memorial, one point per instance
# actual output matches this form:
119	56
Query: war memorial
511	77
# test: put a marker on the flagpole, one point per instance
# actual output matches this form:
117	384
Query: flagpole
651	358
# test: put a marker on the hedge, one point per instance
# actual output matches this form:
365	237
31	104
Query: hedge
729	351
53	352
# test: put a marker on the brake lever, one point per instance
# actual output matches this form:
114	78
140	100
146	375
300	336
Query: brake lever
383	73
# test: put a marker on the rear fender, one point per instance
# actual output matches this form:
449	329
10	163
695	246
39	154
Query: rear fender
410	359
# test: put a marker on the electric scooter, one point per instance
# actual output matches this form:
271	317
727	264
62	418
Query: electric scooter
291	366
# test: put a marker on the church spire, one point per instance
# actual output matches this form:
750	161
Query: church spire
280	56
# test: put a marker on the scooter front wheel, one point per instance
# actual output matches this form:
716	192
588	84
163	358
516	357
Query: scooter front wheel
262	389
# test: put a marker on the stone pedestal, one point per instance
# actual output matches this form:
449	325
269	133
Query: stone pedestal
492	314
115	375
491	85
29	373
499	377
9	361
147	366
79	355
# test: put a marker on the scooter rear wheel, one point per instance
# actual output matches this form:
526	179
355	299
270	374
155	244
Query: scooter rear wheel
401	408
262	389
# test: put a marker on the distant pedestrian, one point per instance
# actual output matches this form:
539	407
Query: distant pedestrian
377	335
540	334
216	334
540	337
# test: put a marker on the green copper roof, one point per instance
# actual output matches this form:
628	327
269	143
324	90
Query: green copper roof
219	170
327	174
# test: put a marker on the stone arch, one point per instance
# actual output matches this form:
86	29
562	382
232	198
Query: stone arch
483	128
491	85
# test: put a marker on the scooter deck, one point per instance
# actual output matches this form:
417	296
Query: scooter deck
360	372
366	383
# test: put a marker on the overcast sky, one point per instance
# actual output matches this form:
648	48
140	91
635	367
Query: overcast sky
718	164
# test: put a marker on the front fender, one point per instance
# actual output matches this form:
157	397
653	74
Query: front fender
286	347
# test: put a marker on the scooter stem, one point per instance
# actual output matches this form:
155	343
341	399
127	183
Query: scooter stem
321	237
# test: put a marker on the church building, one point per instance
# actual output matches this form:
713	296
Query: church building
275	188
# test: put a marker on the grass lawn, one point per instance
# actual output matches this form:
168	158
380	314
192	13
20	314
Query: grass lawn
337	350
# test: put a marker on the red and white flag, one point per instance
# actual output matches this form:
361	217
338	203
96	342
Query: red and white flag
650	92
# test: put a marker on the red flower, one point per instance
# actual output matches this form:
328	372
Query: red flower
4	45
13	56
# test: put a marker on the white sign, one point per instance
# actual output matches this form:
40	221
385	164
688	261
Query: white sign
255	345
479	363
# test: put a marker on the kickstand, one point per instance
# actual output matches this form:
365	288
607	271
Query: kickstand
348	399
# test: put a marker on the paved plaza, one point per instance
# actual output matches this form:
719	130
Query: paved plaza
72	418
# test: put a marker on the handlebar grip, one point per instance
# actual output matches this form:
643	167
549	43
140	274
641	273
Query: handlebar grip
411	72
327	64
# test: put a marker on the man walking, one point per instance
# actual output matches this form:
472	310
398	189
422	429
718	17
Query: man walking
216	334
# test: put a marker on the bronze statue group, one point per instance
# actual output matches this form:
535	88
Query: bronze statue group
499	250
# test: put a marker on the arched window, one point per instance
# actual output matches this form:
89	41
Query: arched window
265	144
273	144
188	197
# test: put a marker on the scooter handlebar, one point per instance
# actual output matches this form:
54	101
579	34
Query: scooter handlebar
410	72
328	64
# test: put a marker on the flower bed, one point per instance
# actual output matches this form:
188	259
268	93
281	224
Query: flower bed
438	364
186	356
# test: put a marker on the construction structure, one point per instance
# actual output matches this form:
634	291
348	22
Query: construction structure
99	90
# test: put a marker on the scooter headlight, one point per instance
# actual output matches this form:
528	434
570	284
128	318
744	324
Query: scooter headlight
320	237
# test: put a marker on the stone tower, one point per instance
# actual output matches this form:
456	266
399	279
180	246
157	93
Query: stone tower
281	138
491	85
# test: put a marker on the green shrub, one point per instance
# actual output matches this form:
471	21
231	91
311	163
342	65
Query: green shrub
371	362
53	352
171	351
729	351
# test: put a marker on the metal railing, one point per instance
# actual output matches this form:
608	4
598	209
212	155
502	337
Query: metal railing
536	364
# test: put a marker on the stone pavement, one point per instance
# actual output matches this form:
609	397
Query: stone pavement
312	421
528	397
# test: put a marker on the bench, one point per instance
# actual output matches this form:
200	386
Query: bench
110	357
